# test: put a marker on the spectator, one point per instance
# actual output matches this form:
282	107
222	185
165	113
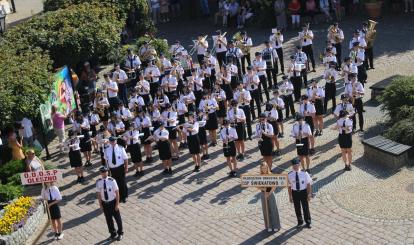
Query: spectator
311	10
324	6
409	2
27	132
244	13
58	122
223	12
204	8
16	145
33	163
233	8
294	8
155	10
338	9
175	8
280	13
165	10
88	77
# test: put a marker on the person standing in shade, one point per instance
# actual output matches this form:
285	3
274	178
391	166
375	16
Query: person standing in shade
75	157
117	161
344	127
301	131
264	132
269	205
52	195
107	192
191	131
161	136
300	193
228	135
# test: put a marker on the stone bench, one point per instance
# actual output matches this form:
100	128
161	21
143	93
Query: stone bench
378	88
386	152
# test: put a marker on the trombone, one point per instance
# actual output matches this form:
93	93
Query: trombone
216	40
196	44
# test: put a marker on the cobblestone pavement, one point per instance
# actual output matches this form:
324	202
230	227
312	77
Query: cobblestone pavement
369	205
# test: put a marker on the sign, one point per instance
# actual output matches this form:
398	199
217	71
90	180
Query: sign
32	178
62	94
268	180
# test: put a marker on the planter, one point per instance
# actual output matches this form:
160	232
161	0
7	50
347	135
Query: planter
373	9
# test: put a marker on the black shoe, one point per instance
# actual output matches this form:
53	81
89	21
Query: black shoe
112	237
273	153
312	151
119	237
230	173
170	171
250	138
278	153
234	174
124	200
175	158
313	70
361	130
82	179
203	157
349	168
137	173
320	133
88	164
372	68
181	146
241	157
165	171
308	225
307	171
299	225
207	156
346	168
197	169
279	135
78	180
212	144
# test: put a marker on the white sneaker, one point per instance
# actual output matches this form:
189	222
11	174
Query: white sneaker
60	236
269	229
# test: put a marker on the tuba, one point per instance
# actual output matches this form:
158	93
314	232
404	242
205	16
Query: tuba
371	33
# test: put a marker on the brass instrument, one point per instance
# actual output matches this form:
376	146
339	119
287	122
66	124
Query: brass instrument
239	43
219	39
306	34
371	33
334	33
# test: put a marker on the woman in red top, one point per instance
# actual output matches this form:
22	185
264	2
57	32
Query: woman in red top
294	8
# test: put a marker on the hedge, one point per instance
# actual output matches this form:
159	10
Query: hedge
135	12
77	33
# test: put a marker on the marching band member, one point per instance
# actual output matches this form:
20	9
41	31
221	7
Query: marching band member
220	96
302	60
347	69
152	75
155	116
357	38
317	94
269	55
355	91
329	57
209	106
93	119
75	157
186	63
169	118
176	48
272	117
259	66
143	88
161	100
357	58
205	72
233	55
330	76
264	131
142	123
251	82
237	118
169	84
243	97
136	101
81	126
306	39
224	79
307	110
336	37
345	105
181	109
279	105
196	83
295	76
178	71
121	78
301	132
161	136
131	137
112	90
344	127
188	98
211	63
102	140
132	63
165	65
234	77
202	134
276	41
228	135
201	47
116	127
191	132
246	43
124	113
221	48
287	88
101	104
369	55
144	49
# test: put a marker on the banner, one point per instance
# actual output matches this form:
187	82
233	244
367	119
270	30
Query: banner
62	94
32	178
268	180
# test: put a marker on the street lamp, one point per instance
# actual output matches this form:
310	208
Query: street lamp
2	23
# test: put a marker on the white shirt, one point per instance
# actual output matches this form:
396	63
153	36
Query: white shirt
101	102
201	50
260	66
51	191
359	89
357	57
84	124
170	83
113	85
223	79
145	87
120	156
286	88
272	115
111	188
193	126
180	107
161	101
154	71
235	52
211	103
197	83
251	82
328	59
120	75
161	134
276	41
114	127
239	117
269	55
347	126
219	95
361	41
318	91
220	47
124	113
295	68
27	128
228	134
306	41
188	98
306	130
212	62
73	144
264	129
246	96
131	137
304	180
155	115
300	57
136	101
35	165
175	48
330	72
347	107
308	111
144	122
340	33
166	64
93	119
169	118
132	62
278	101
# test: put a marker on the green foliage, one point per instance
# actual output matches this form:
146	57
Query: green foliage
160	45
402	132
77	33
135	12
9	192
49	166
24	81
15	179
11	168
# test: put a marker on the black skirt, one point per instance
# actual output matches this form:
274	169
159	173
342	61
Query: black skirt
93	130
54	211
181	119
309	120
280	115
228	91
85	144
222	109
155	125
319	107
345	141
193	144
303	150
212	123
172	133
202	135
241	132
229	149
105	116
147	133
275	127
164	150
135	151
75	159
266	146
234	82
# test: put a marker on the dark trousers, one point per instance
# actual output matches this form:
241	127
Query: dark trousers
113	103
255	99
297	86
118	174
221	58
359	107
300	199
198	96
330	93
246	109
289	107
109	212
271	73
245	58
123	93
362	74
200	58
279	52
308	50
369	58
338	47
263	85
304	75
153	89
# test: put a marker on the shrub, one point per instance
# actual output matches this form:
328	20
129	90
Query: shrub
15	179
160	45
16	214
24	81
9	192
11	168
402	132
77	33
